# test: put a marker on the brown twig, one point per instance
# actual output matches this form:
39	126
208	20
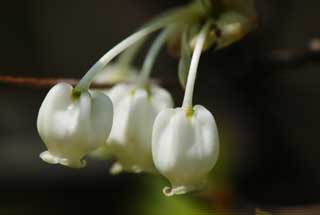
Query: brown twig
277	59
37	82
44	82
293	58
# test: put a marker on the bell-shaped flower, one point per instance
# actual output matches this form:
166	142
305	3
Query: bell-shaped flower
135	109
72	125
112	74
185	147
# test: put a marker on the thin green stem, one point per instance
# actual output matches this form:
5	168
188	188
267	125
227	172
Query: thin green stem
126	58
188	96
85	82
153	53
182	14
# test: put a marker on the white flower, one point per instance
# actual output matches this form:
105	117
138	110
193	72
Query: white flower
185	147
72	126
135	109
112	74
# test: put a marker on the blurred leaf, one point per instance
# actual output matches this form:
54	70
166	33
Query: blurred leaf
153	202
246	7
260	212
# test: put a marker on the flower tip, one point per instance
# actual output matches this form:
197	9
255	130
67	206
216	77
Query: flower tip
183	189
116	169
169	191
136	169
53	159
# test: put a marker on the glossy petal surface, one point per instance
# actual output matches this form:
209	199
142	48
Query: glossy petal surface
72	127
185	148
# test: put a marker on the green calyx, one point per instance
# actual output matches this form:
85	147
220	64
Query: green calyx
189	112
76	93
231	21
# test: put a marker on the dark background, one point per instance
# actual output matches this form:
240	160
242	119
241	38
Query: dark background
268	115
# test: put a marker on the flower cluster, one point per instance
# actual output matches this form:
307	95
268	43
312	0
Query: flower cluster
136	120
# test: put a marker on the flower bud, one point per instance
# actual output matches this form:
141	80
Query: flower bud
71	125
232	27
135	109
185	147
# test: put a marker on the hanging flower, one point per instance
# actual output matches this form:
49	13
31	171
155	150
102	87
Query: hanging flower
185	147
147	134
185	142
71	125
135	111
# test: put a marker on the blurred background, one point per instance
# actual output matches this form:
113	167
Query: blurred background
265	101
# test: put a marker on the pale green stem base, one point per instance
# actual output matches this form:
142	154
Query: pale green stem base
188	96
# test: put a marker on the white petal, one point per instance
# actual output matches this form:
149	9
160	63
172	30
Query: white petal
72	127
135	112
185	148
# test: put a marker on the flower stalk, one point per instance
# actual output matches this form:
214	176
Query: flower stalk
153	53
188	96
179	15
85	82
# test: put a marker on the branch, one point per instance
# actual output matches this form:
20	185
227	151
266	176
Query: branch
49	82
293	58
43	82
277	59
